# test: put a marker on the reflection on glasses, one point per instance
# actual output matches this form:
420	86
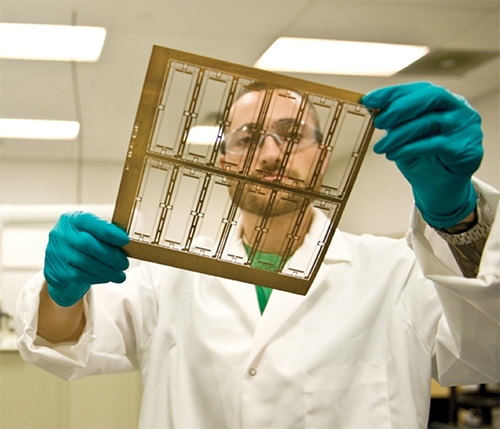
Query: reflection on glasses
283	132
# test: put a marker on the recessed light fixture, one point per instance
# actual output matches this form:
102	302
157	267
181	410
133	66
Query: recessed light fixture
291	54
203	134
51	42
38	129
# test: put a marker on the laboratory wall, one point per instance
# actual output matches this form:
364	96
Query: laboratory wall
489	109
56	182
31	398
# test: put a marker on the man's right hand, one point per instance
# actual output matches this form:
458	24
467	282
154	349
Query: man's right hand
83	250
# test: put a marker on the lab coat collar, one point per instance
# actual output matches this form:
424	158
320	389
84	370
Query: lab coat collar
339	249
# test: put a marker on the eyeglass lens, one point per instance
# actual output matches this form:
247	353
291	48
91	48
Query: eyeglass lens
240	139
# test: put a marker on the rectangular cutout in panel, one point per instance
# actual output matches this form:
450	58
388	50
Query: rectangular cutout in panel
181	214
172	111
148	203
212	95
344	148
212	223
185	198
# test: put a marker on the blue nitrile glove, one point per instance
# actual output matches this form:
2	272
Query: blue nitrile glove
435	139
83	250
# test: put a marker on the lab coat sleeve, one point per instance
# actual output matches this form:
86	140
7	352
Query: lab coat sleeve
113	337
467	346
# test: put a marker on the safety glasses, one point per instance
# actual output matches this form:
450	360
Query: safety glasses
283	132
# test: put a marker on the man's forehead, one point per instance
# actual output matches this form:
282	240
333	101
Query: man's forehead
283	104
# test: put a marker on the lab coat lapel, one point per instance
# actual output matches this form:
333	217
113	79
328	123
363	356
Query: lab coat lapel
243	294
283	305
245	300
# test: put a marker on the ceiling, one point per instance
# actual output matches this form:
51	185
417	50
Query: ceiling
233	30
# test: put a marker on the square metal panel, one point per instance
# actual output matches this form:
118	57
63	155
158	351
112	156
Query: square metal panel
180	200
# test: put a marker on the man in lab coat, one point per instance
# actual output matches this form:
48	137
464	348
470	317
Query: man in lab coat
358	351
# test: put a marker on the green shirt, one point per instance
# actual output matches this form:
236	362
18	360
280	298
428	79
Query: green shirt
267	261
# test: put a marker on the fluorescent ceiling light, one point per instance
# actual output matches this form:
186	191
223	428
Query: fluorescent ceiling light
203	134
290	54
51	42
38	129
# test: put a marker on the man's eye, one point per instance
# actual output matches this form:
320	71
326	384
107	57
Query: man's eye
240	140
244	140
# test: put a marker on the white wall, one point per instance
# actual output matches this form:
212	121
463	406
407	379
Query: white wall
43	182
489	109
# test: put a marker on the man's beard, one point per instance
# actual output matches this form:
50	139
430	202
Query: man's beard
256	200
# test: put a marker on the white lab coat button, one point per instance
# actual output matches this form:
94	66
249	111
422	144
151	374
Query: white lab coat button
252	371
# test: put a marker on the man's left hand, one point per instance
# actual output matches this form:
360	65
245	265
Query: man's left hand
435	139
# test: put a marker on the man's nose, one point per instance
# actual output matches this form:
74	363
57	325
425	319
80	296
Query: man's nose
270	149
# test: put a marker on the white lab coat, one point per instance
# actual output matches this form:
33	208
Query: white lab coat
357	351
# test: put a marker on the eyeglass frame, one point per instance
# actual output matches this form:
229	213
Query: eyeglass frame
318	138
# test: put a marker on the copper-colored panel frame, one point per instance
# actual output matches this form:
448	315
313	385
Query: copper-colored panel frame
173	200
